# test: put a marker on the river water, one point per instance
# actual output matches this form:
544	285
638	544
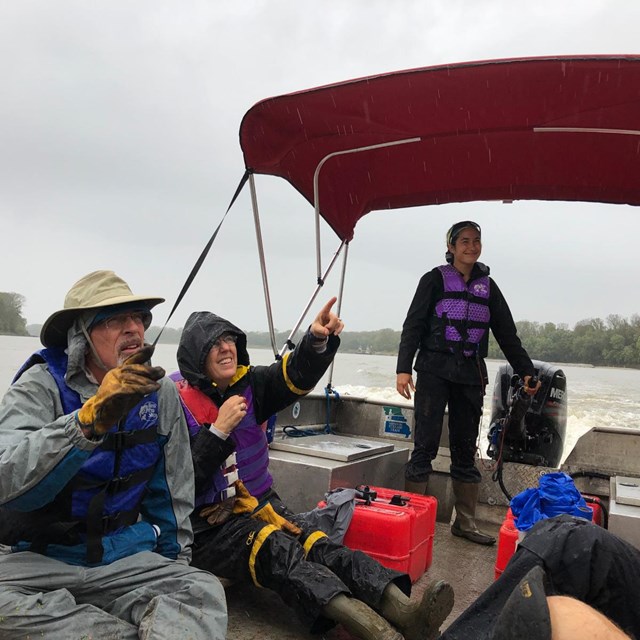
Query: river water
597	396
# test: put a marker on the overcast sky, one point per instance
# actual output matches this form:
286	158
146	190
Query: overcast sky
119	150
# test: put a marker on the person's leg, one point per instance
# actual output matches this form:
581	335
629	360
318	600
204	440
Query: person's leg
365	577
465	411
163	598
383	589
571	619
249	550
585	561
386	590
580	560
430	401
481	614
37	600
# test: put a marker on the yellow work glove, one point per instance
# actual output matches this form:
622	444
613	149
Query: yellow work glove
120	390
244	501
269	515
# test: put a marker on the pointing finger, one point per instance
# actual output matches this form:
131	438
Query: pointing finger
326	310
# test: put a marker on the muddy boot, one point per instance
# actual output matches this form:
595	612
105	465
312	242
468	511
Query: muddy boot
416	487
359	619
421	619
464	526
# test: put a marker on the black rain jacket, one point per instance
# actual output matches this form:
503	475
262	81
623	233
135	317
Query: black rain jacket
274	387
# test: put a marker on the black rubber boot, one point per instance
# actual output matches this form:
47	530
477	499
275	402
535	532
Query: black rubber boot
359	619
420	619
464	526
416	487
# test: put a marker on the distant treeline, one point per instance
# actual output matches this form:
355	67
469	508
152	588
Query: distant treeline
614	342
11	320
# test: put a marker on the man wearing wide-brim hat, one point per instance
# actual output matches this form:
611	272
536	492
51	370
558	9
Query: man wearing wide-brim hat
96	483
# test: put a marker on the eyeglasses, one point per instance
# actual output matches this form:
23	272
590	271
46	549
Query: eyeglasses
226	339
119	322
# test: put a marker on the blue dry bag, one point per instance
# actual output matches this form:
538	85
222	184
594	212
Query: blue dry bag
556	494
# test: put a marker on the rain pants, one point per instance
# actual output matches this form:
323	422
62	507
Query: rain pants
307	571
579	559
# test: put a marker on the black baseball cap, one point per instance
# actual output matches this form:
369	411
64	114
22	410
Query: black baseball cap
526	612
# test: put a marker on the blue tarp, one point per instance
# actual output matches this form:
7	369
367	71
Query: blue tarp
556	494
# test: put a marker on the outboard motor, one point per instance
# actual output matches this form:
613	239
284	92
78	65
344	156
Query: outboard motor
524	429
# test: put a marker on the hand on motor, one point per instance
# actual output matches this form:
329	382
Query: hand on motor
404	385
120	390
231	413
327	323
531	390
268	514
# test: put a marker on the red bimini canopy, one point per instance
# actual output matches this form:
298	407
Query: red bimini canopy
561	128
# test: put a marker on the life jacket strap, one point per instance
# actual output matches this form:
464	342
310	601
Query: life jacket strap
118	440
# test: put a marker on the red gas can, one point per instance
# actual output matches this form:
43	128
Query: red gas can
596	508
508	540
396	529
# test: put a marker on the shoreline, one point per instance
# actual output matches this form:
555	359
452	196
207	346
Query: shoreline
585	365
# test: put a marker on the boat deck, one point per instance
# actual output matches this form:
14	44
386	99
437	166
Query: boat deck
259	613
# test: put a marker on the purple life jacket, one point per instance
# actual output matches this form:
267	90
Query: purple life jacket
252	449
463	309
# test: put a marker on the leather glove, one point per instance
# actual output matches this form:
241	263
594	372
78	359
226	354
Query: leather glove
242	502
219	513
120	390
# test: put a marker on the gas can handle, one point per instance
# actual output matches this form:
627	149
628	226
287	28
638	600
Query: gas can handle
363	491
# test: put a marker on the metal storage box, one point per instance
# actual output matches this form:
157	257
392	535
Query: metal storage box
624	512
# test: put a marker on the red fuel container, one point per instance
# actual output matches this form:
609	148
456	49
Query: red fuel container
507	542
399	536
597	510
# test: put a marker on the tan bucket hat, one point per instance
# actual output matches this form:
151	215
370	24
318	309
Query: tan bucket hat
95	290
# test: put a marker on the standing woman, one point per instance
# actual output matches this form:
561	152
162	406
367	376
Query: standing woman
452	310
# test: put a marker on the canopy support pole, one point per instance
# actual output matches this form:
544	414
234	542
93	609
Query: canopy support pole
289	343
316	195
329	388
263	265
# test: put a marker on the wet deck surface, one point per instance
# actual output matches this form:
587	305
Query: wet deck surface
258	613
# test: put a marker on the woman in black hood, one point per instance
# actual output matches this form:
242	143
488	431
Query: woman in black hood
242	529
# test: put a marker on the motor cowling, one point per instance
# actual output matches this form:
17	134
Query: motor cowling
524	429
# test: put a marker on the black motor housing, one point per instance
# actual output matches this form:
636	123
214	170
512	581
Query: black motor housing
538	438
